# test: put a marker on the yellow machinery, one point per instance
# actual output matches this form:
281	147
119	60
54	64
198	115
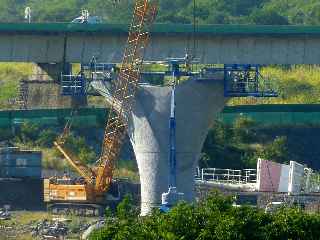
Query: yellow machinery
89	192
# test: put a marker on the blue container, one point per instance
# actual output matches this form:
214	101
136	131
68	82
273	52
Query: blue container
20	172
20	164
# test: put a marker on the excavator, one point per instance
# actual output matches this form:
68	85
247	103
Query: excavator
88	193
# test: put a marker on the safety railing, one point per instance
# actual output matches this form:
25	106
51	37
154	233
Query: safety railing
231	176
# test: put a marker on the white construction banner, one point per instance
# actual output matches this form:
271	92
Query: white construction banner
272	177
296	178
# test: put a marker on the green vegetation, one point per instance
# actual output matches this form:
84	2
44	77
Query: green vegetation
240	145
30	135
297	84
234	146
128	170
84	143
78	145
212	218
178	11
10	75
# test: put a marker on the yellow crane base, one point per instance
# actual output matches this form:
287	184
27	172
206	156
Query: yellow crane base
78	209
63	197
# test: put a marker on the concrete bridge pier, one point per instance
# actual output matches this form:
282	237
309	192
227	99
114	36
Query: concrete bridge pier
197	104
44	88
50	71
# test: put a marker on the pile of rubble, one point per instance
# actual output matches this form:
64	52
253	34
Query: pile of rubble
5	214
50	230
92	227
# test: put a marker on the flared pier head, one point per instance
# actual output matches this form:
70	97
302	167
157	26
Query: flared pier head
197	104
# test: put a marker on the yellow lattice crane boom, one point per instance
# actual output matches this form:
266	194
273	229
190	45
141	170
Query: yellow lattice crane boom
97	180
124	93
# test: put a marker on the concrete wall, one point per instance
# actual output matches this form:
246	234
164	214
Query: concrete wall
44	90
46	94
237	48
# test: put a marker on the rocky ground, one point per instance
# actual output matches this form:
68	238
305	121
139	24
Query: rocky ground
27	225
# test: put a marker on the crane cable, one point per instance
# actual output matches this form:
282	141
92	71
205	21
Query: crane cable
74	111
195	42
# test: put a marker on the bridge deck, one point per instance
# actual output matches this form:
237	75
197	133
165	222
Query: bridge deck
225	44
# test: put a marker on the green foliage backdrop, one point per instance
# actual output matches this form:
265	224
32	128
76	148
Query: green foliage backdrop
177	11
214	218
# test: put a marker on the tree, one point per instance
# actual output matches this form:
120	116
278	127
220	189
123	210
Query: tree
46	138
276	151
78	146
243	129
211	218
178	11
29	131
267	17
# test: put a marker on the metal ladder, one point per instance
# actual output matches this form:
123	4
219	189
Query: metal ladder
23	94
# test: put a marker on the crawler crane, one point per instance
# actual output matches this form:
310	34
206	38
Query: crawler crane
89	193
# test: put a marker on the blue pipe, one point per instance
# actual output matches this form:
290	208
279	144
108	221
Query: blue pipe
172	157
172	135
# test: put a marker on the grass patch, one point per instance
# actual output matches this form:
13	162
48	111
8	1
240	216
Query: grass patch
298	84
10	75
128	170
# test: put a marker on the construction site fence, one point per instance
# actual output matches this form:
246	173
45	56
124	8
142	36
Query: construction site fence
88	117
274	114
268	114
231	176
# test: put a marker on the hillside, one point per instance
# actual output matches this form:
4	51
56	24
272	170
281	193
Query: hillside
177	11
295	84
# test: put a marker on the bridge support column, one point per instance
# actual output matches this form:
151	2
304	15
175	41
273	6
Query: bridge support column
197	104
50	71
44	87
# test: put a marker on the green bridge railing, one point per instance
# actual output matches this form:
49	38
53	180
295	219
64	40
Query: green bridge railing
84	116
274	114
287	114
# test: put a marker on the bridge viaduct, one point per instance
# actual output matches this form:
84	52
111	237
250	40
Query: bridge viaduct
75	43
198	102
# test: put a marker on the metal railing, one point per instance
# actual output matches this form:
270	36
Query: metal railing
231	176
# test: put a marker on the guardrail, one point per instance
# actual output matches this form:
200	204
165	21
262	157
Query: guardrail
231	176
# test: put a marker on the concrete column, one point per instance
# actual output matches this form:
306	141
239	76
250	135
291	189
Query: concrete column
44	87
49	71
197	104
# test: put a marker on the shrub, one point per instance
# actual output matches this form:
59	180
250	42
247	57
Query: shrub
243	129
46	138
5	134
78	146
277	150
28	132
211	218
